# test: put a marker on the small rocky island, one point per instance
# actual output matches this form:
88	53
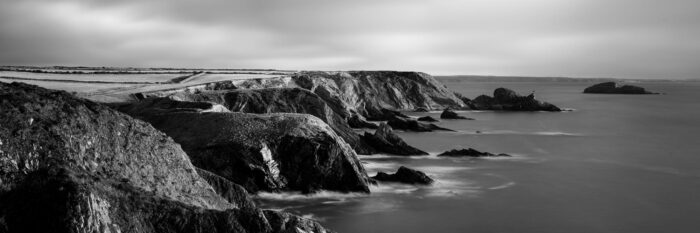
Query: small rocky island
508	100
616	88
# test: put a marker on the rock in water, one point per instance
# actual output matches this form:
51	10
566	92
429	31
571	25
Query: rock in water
413	125
427	119
470	153
449	114
71	165
272	152
507	100
614	88
405	175
385	140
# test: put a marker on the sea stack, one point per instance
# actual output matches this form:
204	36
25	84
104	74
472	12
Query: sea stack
615	88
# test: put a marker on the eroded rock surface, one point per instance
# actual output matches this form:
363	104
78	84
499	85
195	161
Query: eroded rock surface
385	140
272	152
71	165
449	114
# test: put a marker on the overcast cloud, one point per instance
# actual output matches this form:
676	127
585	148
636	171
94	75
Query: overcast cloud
583	38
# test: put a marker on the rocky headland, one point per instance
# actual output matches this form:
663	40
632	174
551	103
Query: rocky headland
385	140
72	165
615	88
470	153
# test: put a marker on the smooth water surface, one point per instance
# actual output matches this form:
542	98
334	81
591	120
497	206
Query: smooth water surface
617	163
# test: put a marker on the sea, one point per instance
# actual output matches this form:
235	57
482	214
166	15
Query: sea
614	163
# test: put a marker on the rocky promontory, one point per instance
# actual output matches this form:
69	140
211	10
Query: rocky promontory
615	88
507	100
449	114
271	152
72	165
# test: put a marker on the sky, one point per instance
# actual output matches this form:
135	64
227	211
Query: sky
573	38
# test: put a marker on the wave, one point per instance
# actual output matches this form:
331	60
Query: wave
293	196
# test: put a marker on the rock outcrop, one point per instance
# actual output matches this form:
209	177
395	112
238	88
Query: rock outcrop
278	100
427	119
409	124
71	165
449	114
507	100
385	140
368	92
615	88
405	175
470	153
272	152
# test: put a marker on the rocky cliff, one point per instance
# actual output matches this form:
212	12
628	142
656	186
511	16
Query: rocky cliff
278	100
272	152
71	165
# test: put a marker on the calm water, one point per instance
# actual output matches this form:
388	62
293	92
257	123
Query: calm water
617	163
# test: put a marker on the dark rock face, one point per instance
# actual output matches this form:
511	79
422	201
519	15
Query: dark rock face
273	152
413	125
614	88
427	119
507	100
276	100
357	122
470	153
449	114
405	175
385	140
71	165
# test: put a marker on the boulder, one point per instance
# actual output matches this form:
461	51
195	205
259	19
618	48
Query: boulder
615	88
427	119
449	114
272	152
507	100
385	140
72	165
470	153
405	175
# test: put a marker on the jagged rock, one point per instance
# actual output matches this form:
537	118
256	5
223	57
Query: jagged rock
368	92
427	119
272	152
464	99
356	121
71	165
421	110
449	114
405	175
615	88
413	125
288	223
386	114
385	140
470	153
275	100
507	100
230	191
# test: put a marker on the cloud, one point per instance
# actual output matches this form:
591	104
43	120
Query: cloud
618	38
